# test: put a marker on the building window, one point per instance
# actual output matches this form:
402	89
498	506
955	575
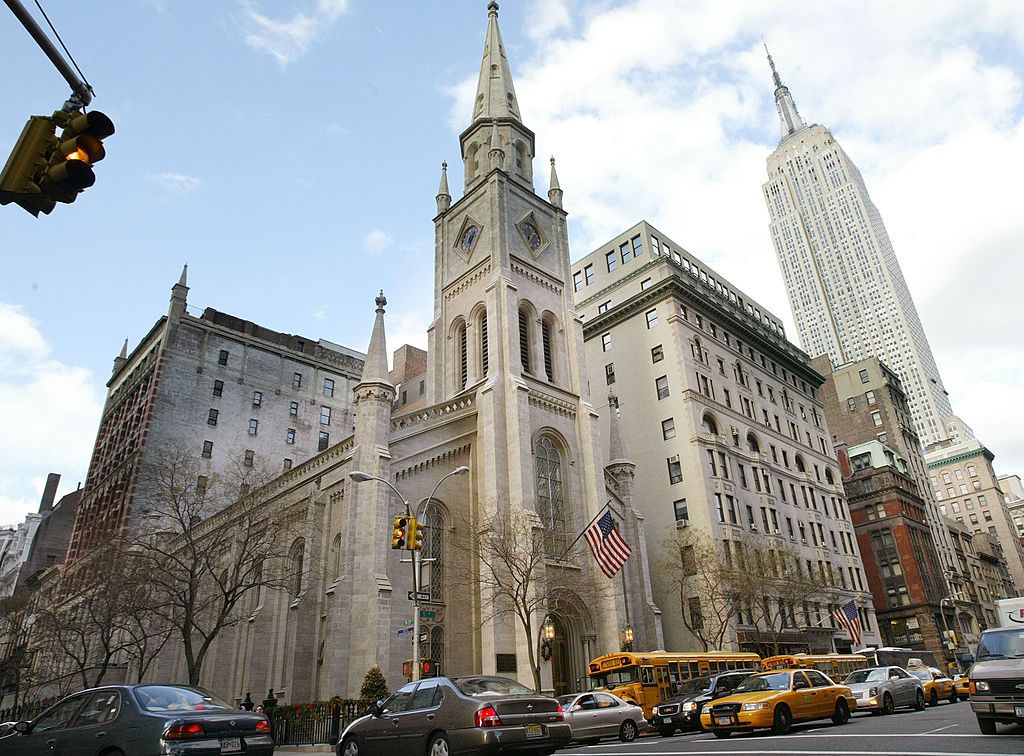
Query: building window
290	436
293	409
287	465
657	353
485	357
611	260
675	470
296	380
218	388
433	548
661	386
606	342
201	482
323	441
645	284
295	558
604	307
972	471
257	398
328	387
668	428
545	338
609	373
682	513
550	501
254	425
588	273
222	359
248	459
876	418
864	376
207	449
211	419
652	318
577	280
870	396
325	416
463	342
524	341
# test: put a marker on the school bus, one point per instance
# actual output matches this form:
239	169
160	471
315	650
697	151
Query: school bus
836	666
648	678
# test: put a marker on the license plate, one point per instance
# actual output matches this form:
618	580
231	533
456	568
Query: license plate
723	720
230	745
666	720
534	731
1018	711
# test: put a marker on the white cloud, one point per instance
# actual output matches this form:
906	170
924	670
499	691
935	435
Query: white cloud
50	413
663	110
407	328
177	182
290	38
377	241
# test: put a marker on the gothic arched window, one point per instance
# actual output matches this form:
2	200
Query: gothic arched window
336	557
462	345
484	361
524	340
550	496
433	548
295	566
545	334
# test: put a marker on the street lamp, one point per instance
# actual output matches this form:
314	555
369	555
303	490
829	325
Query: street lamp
359	476
945	625
627	637
547	635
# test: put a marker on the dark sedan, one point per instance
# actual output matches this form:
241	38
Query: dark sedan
682	711
141	720
460	715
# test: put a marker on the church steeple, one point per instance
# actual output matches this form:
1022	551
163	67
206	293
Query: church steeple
789	118
444	197
495	105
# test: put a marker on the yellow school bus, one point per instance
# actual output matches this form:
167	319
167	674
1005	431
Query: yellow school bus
648	678
836	666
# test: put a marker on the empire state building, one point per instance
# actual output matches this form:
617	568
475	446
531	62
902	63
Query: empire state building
845	286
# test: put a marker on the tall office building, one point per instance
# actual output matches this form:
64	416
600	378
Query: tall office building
845	286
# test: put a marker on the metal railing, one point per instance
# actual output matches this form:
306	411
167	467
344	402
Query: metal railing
314	723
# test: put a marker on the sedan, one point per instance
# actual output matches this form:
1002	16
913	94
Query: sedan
441	716
593	716
775	700
936	685
141	720
882	689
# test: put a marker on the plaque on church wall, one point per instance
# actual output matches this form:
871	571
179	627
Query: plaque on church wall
506	663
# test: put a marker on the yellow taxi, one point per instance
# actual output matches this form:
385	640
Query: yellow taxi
962	685
936	684
775	700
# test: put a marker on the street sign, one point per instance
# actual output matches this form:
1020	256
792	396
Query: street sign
427	614
405	631
423	638
419	595
410	621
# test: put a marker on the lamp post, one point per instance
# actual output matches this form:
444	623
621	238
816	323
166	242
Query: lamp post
627	637
547	635
945	625
417	560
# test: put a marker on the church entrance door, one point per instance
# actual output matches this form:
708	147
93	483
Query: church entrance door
561	661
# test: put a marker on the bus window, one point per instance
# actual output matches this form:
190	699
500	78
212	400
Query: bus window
663	688
673	675
697	669
646	676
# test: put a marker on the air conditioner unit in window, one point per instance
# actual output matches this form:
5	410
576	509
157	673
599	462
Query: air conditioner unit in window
682	523
674	458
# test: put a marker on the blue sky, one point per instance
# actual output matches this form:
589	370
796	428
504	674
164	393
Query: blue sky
289	152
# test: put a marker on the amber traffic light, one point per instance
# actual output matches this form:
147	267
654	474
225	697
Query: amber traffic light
415	535
400	532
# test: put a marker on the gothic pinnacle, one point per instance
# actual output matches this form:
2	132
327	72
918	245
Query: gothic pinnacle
444	198
554	190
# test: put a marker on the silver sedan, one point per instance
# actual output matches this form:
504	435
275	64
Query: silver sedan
882	689
597	715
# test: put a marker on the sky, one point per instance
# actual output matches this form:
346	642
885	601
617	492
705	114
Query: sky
289	152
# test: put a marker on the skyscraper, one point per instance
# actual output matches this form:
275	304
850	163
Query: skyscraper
845	286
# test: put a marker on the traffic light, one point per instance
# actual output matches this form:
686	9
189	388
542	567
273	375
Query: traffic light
429	668
407	668
415	535
400	532
44	169
952	638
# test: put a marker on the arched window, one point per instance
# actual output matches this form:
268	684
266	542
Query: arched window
800	463
545	334
710	425
752	443
462	345
829	477
524	340
336	557
472	162
436	649
550	496
484	357
295	566
433	548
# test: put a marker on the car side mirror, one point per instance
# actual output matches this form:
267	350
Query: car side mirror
22	727
377	708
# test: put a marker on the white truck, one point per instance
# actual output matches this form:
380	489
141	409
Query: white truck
1011	612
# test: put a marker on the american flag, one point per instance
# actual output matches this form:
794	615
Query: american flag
848	618
610	549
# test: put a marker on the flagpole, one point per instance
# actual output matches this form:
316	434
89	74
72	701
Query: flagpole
582	532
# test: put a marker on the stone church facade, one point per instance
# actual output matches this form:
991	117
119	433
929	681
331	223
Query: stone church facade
506	394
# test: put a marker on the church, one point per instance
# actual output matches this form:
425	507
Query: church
506	396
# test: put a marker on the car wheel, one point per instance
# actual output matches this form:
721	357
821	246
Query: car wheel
842	712
627	731
350	748
782	721
438	745
952	697
933	699
666	732
722	733
919	701
987	726
888	706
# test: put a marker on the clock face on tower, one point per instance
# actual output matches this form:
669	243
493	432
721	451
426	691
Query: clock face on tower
530	231
468	237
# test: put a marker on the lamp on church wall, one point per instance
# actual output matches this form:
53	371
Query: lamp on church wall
627	637
547	635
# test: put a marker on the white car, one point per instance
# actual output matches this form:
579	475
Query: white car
597	715
882	689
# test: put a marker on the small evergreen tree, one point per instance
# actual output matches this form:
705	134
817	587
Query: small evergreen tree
375	687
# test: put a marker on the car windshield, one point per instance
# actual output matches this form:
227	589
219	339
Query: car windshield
1001	644
866	675
776	681
174	698
491	686
921	674
694	686
616	677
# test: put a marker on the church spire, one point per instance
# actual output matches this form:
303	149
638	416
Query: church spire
375	369
616	449
495	95
554	190
789	119
444	197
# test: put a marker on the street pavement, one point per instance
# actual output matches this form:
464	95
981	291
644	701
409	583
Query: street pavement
936	731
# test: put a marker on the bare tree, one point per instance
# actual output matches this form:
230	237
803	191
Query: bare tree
710	590
210	543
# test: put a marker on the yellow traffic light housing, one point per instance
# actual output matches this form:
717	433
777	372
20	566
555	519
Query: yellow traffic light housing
400	532
415	535
21	178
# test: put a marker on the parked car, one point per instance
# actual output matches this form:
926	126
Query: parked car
597	715
682	711
775	700
141	720
962	684
936	684
7	728
443	716
882	689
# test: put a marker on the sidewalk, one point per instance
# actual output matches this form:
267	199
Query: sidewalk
321	748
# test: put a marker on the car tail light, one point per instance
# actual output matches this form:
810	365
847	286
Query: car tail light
184	731
560	716
487	717
263	727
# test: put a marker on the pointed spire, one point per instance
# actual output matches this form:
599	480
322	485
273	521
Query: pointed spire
444	198
183	281
124	350
495	95
375	370
554	190
179	295
616	449
789	118
497	154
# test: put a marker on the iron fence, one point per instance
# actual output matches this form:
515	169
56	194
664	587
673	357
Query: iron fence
314	723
